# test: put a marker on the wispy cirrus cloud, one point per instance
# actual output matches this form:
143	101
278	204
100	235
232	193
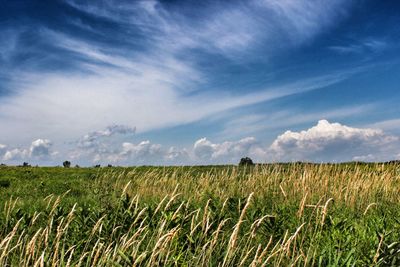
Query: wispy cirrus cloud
362	47
214	26
55	103
387	125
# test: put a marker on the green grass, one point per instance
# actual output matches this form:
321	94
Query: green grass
271	215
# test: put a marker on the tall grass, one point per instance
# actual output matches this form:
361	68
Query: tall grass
273	215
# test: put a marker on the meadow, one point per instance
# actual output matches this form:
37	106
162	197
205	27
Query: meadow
294	214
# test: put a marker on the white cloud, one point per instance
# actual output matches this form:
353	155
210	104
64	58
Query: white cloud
367	46
334	142
365	158
91	140
215	28
144	150
40	148
142	153
203	148
177	156
15	154
50	103
227	152
387	125
203	152
244	125
324	142
101	144
302	19
111	146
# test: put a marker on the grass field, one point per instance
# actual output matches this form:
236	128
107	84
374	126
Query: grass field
267	215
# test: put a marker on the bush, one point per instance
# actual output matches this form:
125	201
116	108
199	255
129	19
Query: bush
67	164
246	162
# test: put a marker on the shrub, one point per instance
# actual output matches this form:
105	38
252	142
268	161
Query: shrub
246	161
67	164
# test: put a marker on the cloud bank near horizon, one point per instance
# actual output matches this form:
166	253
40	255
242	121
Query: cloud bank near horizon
324	142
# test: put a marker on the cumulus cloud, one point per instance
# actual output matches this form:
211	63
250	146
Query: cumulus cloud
334	142
144	152
92	139
15	154
40	148
176	155
227	152
113	129
202	152
101	144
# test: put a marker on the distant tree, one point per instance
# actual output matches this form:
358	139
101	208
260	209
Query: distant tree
77	166
97	166
25	164
109	165
246	162
67	164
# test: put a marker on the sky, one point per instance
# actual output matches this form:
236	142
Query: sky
199	82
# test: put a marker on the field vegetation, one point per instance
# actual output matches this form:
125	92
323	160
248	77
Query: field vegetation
264	215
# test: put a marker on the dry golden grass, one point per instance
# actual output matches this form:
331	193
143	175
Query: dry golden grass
353	186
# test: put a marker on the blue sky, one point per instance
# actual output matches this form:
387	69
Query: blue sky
198	82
